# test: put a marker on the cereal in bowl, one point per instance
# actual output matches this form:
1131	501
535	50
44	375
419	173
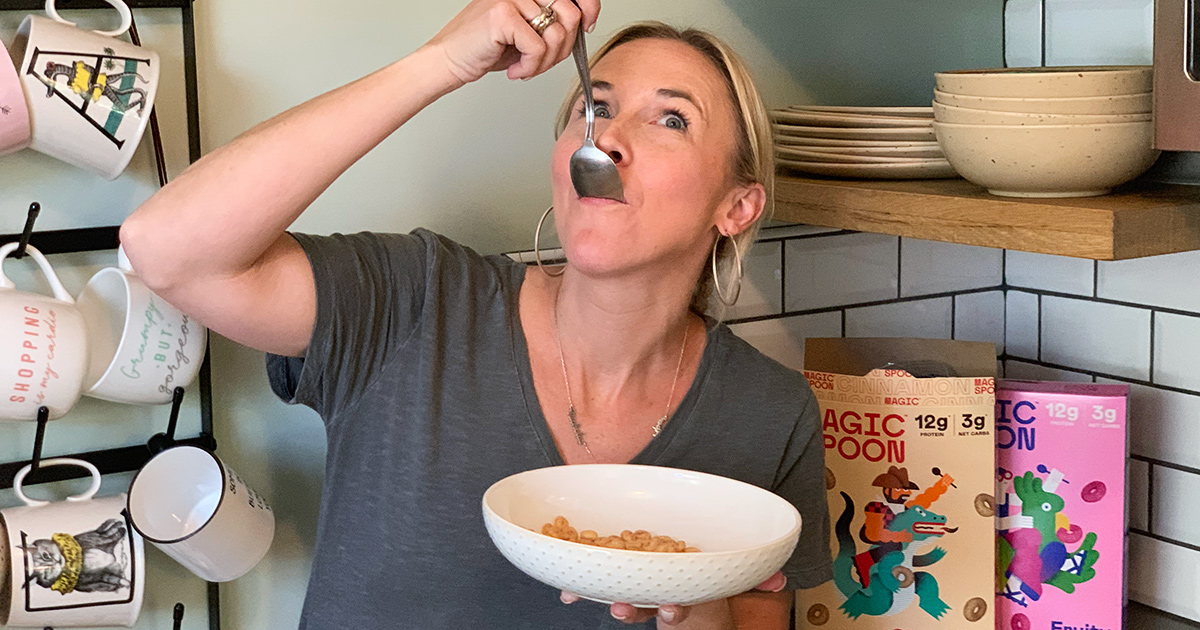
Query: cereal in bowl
640	540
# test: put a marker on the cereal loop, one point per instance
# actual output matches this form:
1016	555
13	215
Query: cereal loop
830	480
904	575
1020	622
975	609
1071	535
1094	491
985	505
818	615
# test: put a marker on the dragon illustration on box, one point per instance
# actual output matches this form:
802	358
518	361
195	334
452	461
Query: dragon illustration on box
1033	535
884	579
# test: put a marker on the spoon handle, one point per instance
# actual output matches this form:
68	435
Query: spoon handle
585	81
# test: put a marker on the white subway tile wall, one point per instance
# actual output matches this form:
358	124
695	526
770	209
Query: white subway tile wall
1176	512
1176	348
1049	273
1021	324
929	319
936	267
1165	575
1097	336
980	317
840	269
1138	481
783	338
1167	281
1020	370
762	283
1162	424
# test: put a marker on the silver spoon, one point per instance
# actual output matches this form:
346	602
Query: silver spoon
592	170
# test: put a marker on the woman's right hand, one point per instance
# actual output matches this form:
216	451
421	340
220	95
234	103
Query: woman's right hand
491	35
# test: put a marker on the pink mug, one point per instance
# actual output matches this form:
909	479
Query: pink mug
15	130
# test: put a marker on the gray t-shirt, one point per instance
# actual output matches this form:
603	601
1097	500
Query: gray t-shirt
419	368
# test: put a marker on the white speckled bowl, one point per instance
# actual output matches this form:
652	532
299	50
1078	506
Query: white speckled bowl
745	533
961	115
1059	82
1048	160
1122	104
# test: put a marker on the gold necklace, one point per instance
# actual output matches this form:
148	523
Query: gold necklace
571	416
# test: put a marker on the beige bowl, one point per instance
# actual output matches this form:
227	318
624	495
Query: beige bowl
1052	82
951	114
1124	104
1048	160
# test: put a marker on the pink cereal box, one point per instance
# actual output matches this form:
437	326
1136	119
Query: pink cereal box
1060	505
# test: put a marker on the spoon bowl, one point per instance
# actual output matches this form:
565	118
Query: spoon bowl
593	172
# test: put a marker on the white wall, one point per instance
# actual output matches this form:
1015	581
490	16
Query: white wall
472	166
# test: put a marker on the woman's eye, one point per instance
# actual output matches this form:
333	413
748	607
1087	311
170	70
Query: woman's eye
602	110
674	120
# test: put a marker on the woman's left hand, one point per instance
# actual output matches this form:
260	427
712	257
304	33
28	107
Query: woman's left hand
668	615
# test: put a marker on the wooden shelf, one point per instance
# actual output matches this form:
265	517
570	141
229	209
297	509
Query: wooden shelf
1137	221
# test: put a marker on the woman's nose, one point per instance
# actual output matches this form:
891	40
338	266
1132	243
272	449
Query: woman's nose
611	140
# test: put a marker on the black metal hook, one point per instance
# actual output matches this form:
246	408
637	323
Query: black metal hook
34	209
163	441
178	616
155	134
43	416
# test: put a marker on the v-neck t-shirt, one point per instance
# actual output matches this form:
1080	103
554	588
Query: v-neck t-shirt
418	367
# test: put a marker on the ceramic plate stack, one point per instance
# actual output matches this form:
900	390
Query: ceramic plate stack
1047	132
859	142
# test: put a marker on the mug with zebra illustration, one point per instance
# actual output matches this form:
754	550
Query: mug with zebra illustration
89	94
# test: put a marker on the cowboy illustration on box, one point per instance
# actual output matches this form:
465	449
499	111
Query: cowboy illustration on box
884	580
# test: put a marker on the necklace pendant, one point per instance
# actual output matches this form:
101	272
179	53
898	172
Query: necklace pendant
575	426
658	426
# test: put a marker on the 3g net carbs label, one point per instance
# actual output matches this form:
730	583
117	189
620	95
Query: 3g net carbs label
909	479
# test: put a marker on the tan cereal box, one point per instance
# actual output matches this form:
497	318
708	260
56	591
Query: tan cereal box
910	460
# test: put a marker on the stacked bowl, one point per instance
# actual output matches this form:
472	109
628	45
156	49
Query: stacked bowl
859	142
1047	132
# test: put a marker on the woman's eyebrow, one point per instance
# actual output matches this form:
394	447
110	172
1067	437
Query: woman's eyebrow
672	93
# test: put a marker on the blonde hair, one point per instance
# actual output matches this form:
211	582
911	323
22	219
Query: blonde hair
754	153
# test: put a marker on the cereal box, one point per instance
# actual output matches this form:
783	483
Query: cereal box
910	456
1060	512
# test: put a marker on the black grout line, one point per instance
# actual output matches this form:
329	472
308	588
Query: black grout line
953	316
782	276
1165	464
1151	346
1164	539
843	322
1085	298
1004	267
1039	327
1004	336
1150	496
1123	379
804	237
1096	278
832	309
899	267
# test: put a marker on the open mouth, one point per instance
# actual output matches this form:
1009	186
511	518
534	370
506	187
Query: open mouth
933	529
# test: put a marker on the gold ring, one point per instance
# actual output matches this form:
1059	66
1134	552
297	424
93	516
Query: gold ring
544	19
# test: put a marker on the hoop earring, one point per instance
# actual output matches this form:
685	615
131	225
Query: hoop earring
737	258
537	247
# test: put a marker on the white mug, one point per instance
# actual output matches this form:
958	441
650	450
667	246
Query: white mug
43	346
201	513
142	348
89	95
72	564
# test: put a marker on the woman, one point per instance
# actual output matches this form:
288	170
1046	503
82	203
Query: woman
438	371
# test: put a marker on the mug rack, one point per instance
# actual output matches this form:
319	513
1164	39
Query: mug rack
129	458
